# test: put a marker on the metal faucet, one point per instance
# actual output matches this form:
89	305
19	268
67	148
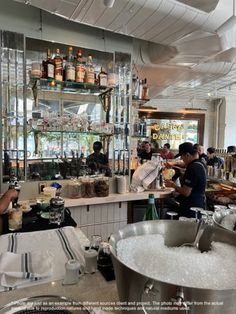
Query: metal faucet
179	299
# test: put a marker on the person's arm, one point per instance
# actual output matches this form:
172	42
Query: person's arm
173	163
7	197
183	190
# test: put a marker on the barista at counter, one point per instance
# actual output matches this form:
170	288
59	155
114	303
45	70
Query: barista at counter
97	161
6	199
146	151
192	189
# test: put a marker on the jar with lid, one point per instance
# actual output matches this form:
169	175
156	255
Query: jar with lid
36	71
56	210
88	187
74	189
102	186
104	256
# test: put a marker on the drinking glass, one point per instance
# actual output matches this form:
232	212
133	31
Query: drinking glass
15	220
95	242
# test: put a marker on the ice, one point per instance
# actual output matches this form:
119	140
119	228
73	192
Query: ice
229	221
184	266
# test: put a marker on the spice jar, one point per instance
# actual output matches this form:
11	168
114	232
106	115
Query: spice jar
102	186
75	189
89	187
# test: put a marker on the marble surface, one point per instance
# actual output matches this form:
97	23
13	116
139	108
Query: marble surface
90	288
114	198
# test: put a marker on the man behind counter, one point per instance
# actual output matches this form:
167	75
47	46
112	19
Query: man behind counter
97	161
192	190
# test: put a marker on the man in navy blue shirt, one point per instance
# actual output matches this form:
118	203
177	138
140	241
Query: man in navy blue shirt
192	189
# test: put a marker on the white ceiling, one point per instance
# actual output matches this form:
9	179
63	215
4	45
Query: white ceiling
187	56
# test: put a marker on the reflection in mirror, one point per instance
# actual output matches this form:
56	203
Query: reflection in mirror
61	133
12	113
64	117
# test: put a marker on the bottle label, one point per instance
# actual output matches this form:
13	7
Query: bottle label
50	70
103	80
58	70
70	73
90	77
151	201
80	73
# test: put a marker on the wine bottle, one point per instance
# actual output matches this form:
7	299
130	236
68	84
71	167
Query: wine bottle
58	66
89	74
151	212
49	65
70	68
80	68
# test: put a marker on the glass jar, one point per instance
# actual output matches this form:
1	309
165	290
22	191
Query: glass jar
88	187
102	186
104	256
75	189
36	71
56	210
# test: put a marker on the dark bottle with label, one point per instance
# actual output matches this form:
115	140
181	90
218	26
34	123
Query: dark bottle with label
151	212
58	66
49	66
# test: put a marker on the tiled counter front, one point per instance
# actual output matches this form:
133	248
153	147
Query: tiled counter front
102	219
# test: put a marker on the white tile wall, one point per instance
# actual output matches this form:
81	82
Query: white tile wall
103	219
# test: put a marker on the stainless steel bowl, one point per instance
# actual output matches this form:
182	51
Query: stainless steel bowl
135	287
44	304
218	217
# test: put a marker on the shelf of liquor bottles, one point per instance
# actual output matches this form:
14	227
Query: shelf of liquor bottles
69	87
44	131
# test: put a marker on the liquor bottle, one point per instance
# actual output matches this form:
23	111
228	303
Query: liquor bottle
140	89
49	66
102	78
151	212
145	90
70	68
64	67
58	66
80	68
89	72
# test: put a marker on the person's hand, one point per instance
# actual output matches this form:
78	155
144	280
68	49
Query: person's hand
169	184
12	194
170	164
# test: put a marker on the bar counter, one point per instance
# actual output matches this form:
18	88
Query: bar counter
106	215
115	198
92	289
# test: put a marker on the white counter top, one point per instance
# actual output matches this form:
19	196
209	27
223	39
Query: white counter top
114	198
90	288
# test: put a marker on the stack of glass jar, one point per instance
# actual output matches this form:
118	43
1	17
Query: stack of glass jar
87	187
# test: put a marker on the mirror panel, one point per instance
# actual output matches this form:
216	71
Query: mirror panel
12	105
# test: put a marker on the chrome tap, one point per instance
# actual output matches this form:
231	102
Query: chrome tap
179	299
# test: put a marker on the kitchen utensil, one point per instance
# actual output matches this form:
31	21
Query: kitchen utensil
200	230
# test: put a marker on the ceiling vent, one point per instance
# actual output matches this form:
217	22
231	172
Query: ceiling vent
150	53
227	35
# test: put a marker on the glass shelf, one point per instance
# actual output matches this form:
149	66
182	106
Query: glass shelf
69	87
140	100
71	132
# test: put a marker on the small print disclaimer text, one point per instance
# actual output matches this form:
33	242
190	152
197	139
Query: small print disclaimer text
115	306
